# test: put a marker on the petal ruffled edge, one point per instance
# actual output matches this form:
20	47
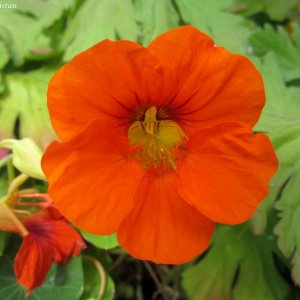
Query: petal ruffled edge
226	171
162	227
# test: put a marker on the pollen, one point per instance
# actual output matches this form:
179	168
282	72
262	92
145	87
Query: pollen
156	141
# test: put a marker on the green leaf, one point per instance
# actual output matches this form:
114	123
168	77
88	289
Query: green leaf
282	106
285	48
96	281
235	248
287	143
276	9
26	100
280	120
19	32
211	17
98	20
45	11
285	190
259	220
287	228
247	7
4	56
155	17
279	9
101	241
62	282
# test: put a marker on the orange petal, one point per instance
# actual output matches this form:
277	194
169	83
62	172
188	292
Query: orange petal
226	171
48	240
32	263
162	227
215	86
92	179
109	80
65	241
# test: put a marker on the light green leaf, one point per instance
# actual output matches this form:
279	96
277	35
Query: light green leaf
285	49
282	106
19	32
276	9
211	17
62	282
26	100
155	17
101	241
98	20
26	156
287	228
259	220
247	7
236	248
96	282
287	143
279	9
45	11
280	120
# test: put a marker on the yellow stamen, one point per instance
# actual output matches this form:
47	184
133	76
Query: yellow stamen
18	181
157	138
150	123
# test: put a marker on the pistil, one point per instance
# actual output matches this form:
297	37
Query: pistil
156	140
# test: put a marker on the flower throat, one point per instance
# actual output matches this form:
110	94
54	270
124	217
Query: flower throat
156	141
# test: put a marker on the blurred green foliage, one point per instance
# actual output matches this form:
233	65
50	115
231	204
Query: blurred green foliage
259	260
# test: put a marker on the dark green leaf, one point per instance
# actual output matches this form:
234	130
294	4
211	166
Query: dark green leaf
62	282
236	248
94	277
3	238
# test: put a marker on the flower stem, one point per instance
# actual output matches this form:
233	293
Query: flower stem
101	272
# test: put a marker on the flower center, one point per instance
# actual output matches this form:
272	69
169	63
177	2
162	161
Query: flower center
156	141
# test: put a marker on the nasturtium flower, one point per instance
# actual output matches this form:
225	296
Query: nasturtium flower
157	143
47	236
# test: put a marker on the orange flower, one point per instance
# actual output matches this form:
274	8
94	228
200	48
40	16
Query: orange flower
47	238
157	143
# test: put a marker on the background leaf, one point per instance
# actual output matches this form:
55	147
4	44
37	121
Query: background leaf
155	17
92	282
62	282
101	241
26	100
236	259
285	48
214	18
104	19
